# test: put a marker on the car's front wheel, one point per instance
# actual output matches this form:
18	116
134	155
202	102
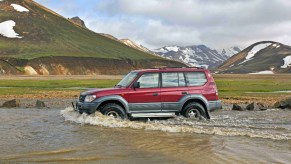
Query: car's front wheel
114	111
194	110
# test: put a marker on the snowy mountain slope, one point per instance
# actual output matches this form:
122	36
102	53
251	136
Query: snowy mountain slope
197	55
266	56
231	51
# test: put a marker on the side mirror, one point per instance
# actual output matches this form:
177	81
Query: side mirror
136	85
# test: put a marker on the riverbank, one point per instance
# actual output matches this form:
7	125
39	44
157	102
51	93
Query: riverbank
241	89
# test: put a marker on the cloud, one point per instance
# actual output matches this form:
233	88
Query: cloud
156	23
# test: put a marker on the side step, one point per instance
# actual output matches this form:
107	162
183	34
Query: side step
138	115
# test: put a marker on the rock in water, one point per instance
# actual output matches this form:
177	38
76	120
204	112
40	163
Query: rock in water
11	104
237	107
253	106
256	106
40	104
262	106
283	104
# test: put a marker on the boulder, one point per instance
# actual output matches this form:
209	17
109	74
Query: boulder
283	104
256	107
238	107
11	104
40	104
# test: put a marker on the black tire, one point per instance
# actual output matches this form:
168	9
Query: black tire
194	110
113	110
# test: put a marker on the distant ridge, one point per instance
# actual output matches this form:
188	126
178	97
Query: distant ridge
265	57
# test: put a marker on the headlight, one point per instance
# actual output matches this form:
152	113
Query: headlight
90	98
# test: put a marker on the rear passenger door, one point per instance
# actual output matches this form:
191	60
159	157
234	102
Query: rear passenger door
195	81
173	88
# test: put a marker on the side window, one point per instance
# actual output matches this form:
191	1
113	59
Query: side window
149	80
170	79
173	79
196	78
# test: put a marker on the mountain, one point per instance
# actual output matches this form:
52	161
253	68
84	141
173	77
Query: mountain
266	57
229	52
37	39
78	21
135	45
196	55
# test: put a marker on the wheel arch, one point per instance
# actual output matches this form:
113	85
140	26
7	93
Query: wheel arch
113	99
198	99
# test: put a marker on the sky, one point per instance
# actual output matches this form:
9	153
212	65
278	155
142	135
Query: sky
156	23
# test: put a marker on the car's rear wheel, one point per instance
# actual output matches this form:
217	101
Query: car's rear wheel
194	110
114	111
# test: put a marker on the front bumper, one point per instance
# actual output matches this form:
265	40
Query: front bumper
215	105
86	107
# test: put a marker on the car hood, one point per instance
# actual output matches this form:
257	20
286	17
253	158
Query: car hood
103	90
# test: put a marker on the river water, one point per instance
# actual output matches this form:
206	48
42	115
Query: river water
64	136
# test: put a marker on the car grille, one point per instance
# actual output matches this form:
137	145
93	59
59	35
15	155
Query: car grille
82	98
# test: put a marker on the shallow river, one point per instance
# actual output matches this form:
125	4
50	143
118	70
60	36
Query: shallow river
31	135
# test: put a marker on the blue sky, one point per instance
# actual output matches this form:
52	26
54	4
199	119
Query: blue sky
156	23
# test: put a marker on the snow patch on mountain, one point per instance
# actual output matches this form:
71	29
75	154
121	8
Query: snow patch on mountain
19	8
287	62
173	48
254	51
6	29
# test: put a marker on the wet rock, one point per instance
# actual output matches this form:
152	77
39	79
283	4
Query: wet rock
256	107
238	107
283	104
40	104
262	106
11	104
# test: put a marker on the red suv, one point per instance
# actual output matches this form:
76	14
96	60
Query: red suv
164	92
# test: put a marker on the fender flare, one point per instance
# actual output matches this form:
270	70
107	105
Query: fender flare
113	98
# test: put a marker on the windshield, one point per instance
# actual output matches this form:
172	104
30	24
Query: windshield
127	79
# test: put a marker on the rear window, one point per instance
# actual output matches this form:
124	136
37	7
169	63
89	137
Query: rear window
196	78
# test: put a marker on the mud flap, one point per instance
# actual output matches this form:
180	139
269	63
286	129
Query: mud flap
207	114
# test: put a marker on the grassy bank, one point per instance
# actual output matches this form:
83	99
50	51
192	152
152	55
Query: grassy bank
232	88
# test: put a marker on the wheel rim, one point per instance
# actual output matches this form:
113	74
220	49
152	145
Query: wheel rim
194	113
113	114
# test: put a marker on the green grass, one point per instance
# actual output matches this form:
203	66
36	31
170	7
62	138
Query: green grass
246	85
22	87
228	86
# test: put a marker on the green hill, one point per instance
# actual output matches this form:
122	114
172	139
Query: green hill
45	34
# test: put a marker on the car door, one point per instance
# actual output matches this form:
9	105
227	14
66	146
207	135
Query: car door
173	89
147	97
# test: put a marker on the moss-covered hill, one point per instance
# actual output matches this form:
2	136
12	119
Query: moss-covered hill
46	34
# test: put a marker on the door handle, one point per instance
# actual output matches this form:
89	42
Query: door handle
184	93
155	94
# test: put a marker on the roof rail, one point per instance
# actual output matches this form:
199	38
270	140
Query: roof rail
181	67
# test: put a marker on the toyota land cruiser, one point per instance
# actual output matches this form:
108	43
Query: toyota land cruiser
163	92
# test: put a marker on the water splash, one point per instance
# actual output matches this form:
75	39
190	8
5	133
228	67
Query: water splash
219	125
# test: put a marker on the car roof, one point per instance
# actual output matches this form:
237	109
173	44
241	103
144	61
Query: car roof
182	69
